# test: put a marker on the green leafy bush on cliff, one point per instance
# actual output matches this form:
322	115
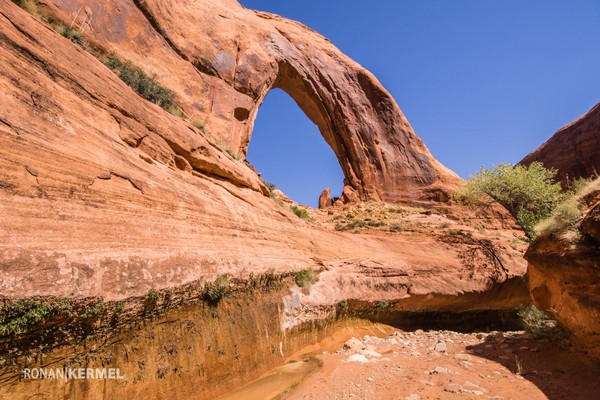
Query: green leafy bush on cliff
214	291
530	193
145	85
538	323
300	212
565	216
271	186
305	278
70	33
17	317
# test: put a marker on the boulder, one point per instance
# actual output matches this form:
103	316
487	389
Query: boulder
325	200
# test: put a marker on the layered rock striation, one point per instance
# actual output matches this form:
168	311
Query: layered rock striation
223	59
105	195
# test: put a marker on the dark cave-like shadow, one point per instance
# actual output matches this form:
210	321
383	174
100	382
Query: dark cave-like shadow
557	371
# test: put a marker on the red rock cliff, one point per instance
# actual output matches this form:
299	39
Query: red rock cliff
104	194
574	150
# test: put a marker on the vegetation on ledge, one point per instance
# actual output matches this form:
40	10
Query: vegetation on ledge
305	278
300	212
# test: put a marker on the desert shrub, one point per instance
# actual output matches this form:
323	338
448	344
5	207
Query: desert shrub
227	149
300	212
232	153
20	3
528	193
93	309
145	85
397	227
197	124
21	316
305	278
17	317
70	33
580	186
351	225
271	186
383	305
354	224
214	291
565	216
536	322
152	295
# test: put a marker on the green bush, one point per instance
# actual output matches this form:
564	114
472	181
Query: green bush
528	193
528	221
271	186
305	278
213	292
94	309
72	34
152	295
383	305
536	322
145	85
300	212
565	216
19	316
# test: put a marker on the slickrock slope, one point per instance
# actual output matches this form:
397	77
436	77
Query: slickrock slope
103	194
574	150
564	277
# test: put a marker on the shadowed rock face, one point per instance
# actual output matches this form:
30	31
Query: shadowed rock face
227	58
564	278
574	150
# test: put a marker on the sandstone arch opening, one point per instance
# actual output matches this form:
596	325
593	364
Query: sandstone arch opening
287	148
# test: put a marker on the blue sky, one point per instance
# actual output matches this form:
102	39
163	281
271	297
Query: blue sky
480	81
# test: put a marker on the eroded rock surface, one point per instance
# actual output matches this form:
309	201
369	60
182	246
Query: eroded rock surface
104	194
95	202
564	278
574	150
222	59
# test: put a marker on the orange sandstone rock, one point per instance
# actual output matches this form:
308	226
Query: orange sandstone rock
574	150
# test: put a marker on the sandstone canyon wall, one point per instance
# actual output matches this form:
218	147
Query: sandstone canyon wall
564	278
564	275
227	59
574	150
105	195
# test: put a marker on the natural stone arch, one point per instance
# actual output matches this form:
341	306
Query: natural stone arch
380	155
228	57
